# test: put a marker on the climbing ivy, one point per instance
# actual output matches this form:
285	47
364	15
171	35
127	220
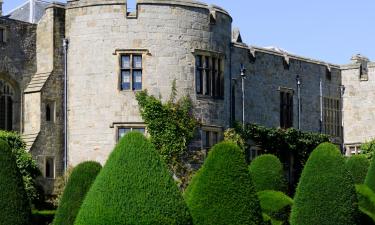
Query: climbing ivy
171	125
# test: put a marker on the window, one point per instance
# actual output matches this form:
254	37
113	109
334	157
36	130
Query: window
331	116
353	149
209	76
49	167
6	106
286	109
50	112
131	72
2	35
210	137
122	131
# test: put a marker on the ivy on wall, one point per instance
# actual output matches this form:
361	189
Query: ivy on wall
171	125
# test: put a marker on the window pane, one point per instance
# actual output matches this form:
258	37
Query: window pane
1	35
50	167
198	81
122	132
137	80
9	113
137	61
125	80
141	130
125	62
198	61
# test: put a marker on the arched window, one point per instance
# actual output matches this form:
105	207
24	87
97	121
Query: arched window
6	106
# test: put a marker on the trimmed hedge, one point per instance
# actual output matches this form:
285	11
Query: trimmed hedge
275	205
358	166
79	183
134	187
370	177
267	173
366	200
326	193
14	204
222	192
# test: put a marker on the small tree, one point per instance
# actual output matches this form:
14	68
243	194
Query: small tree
267	173
14	204
134	187
358	166
222	192
75	191
325	194
368	149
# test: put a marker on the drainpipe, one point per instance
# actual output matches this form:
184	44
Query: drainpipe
65	46
32	11
321	105
299	100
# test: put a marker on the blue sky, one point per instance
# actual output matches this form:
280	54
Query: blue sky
329	30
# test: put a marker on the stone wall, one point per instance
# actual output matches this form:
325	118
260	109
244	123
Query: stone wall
266	74
166	34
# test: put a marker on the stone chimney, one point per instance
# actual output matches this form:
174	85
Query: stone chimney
358	58
1	7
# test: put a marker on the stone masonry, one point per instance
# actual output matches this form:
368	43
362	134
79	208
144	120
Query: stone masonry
169	35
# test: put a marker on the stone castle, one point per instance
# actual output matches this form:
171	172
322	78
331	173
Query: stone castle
69	74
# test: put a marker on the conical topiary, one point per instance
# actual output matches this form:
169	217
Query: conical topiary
79	183
326	193
222	191
358	166
14	204
267	173
370	177
134	187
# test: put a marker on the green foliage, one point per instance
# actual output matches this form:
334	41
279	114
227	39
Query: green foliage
26	165
79	183
370	177
232	136
358	166
222	192
368	149
134	187
366	200
267	173
275	206
42	217
325	194
14	204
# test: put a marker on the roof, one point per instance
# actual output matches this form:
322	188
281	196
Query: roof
22	12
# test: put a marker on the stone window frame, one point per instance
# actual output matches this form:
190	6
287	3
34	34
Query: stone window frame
4	31
121	52
7	101
332	116
45	157
363	72
131	125
206	144
288	123
52	106
352	149
216	69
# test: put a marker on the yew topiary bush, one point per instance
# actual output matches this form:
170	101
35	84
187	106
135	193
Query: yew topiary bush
267	173
370	177
134	187
358	166
326	193
14	203
75	191
222	192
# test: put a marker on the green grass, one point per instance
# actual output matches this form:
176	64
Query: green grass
326	193
79	183
134	187
222	192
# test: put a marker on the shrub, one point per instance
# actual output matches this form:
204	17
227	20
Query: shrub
75	191
368	149
26	165
134	187
14	204
366	200
325	193
275	205
222	192
370	177
358	166
267	173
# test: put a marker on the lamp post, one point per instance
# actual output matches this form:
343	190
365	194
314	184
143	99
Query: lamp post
243	77
298	80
